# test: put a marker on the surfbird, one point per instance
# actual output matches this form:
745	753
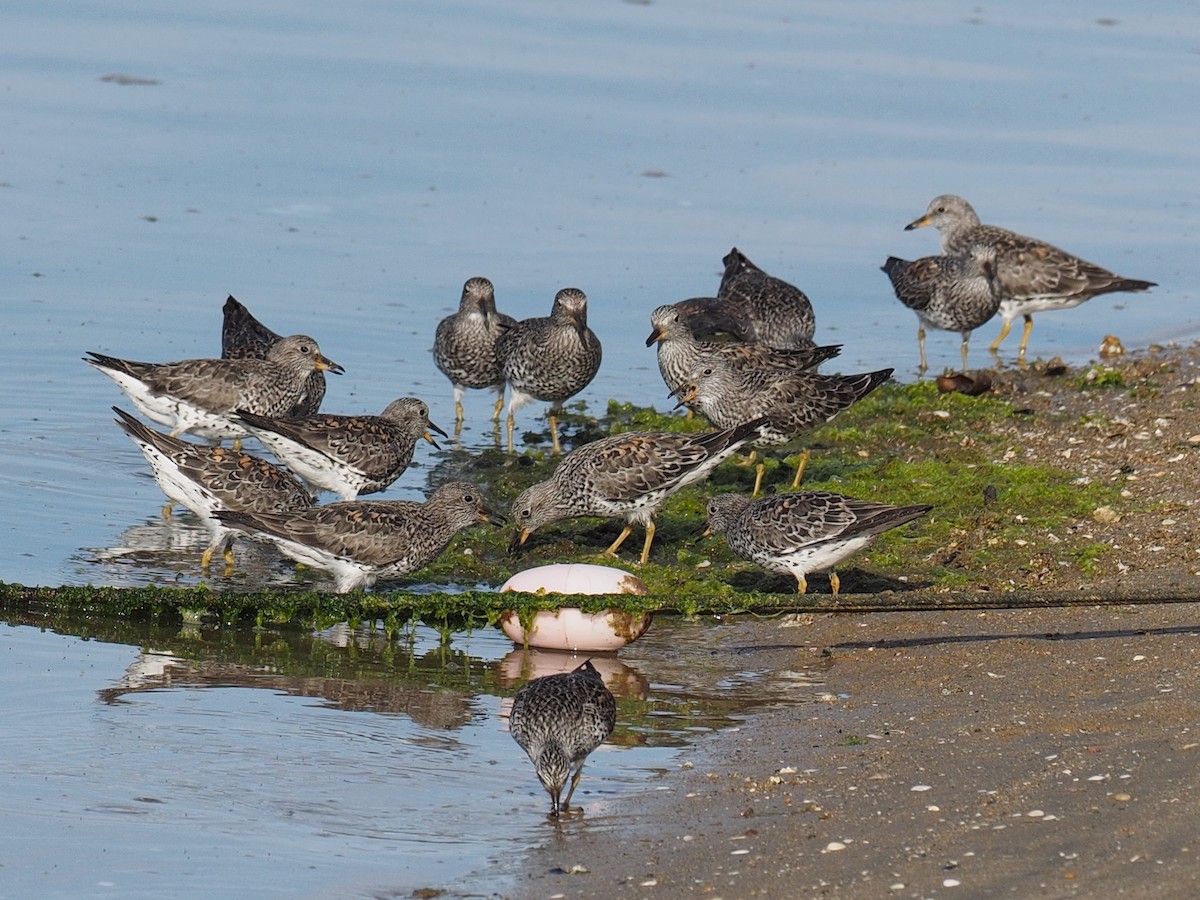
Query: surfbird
1031	275
803	532
199	395
244	337
770	310
626	476
551	358
558	720
348	455
679	350
362	541
952	293
791	402
464	347
205	479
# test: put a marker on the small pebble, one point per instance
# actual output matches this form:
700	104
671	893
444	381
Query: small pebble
1122	798
1035	814
921	787
834	845
950	882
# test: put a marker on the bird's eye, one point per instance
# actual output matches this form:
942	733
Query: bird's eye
304	348
469	498
526	513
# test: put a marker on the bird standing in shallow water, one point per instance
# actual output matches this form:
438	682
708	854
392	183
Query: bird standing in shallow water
953	293
464	347
205	478
348	455
244	337
361	541
200	395
1031	275
549	358
808	531
558	720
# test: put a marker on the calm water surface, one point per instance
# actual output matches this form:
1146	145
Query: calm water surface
342	169
147	761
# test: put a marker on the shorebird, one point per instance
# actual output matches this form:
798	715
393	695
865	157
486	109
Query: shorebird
558	720
550	358
679	350
1031	275
362	541
199	395
791	402
952	293
803	532
768	310
205	479
348	455
464	347
244	337
626	476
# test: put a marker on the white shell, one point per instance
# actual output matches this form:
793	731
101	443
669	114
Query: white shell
569	628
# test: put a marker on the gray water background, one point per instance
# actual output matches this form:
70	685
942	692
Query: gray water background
342	169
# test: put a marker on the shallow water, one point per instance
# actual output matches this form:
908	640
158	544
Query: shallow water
211	762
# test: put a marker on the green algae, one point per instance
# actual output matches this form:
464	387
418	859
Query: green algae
997	520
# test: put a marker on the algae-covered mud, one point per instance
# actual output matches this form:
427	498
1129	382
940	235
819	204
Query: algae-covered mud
1034	486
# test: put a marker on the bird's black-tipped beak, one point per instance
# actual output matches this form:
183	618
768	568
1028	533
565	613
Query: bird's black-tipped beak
325	364
517	545
917	223
655	336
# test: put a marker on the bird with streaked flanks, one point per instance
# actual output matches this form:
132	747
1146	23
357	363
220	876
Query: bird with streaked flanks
550	358
1031	275
768	310
803	532
790	402
363	541
558	720
464	346
348	455
200	395
205	479
244	337
951	293
679	350
626	476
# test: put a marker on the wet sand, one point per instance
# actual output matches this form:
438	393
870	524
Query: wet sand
1021	753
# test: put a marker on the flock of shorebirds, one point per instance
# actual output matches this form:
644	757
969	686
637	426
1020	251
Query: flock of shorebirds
745	360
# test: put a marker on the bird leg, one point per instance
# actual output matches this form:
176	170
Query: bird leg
965	338
511	423
1025	337
648	541
758	478
801	584
565	805
625	532
554	445
800	466
206	559
499	406
1004	329
921	346
835	583
458	417
166	511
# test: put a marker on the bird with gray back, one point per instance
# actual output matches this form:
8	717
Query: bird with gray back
791	402
550	358
244	337
464	346
205	479
679	350
1031	276
348	455
363	541
626	476
951	293
558	720
771	310
200	395
803	532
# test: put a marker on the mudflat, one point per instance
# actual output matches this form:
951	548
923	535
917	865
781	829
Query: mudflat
1045	752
